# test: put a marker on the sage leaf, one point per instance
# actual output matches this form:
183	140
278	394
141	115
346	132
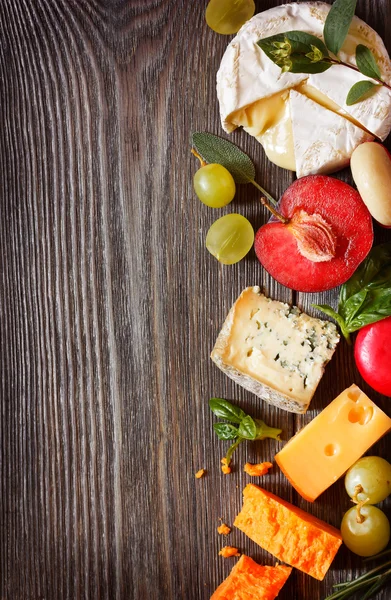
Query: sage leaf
247	428
358	91
366	62
225	431
337	24
225	410
214	149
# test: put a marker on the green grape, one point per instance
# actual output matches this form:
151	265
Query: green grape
369	537
230	238
373	474
214	185
227	16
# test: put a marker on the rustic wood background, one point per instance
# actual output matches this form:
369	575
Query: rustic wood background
110	305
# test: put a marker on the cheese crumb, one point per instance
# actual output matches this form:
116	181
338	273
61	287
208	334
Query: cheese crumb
225	468
200	473
223	529
258	469
229	551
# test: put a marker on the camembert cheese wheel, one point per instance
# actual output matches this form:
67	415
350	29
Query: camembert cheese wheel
301	120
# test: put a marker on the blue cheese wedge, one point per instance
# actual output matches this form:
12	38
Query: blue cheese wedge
274	350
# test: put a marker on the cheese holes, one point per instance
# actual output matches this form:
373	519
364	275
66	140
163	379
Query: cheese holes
360	414
331	450
354	394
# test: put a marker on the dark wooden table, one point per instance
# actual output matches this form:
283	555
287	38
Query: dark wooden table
110	305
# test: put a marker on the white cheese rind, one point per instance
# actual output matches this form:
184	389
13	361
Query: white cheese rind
323	141
373	113
274	350
246	74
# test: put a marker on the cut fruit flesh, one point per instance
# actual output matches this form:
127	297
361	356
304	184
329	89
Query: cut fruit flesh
351	223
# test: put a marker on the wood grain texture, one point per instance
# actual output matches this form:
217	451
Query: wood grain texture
110	305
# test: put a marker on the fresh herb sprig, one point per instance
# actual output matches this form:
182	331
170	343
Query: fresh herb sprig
366	297
369	582
240	426
301	52
214	149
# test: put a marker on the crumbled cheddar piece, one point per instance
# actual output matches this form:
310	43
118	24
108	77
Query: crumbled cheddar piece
223	529
225	468
248	580
289	533
258	469
332	442
200	473
229	551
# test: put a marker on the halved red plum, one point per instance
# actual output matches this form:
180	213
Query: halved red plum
327	232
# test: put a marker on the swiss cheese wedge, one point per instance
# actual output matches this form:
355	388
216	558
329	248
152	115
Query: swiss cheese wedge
325	449
289	533
252	91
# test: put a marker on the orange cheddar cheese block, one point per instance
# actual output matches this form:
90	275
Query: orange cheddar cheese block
248	580
325	449
291	534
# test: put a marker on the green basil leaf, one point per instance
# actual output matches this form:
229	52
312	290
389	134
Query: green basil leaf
225	410
247	428
366	62
232	449
352	306
366	297
264	431
303	64
368	271
301	42
382	280
338	23
358	91
225	431
377	306
214	149
337	317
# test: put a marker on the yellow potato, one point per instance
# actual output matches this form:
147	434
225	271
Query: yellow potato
371	170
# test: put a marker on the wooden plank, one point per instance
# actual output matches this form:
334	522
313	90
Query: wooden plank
110	305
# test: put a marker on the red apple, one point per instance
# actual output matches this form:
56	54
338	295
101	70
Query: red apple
327	232
372	352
